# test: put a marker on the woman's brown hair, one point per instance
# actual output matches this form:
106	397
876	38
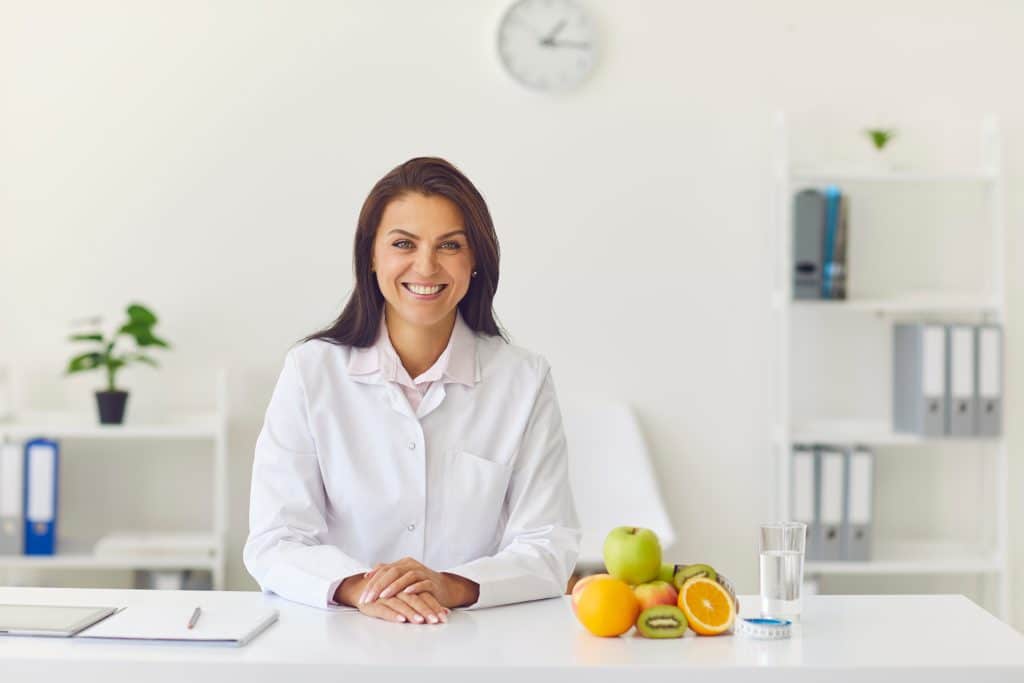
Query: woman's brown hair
359	321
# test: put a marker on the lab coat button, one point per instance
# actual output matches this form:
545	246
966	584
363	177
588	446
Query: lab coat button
412	445
411	527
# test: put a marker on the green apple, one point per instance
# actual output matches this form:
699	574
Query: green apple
668	571
632	554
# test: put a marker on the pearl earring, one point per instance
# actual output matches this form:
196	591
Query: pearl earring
474	273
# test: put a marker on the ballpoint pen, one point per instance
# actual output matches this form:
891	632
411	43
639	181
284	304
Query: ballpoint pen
194	619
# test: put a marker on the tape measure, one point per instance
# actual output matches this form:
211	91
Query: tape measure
765	629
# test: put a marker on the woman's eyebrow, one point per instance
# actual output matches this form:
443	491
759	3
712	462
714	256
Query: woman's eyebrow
416	237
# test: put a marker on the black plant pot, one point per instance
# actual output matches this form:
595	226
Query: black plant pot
111	404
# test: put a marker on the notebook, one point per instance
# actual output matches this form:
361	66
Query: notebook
227	625
62	621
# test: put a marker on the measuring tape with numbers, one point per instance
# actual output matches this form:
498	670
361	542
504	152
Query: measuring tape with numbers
765	629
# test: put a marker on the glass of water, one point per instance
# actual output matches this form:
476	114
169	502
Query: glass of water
782	569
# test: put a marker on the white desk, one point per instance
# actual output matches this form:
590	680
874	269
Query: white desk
842	638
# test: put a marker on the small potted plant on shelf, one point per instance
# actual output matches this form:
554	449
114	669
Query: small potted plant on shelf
111	402
880	139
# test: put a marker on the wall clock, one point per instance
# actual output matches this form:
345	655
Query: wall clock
547	45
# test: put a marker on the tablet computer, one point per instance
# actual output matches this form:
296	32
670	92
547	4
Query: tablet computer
49	620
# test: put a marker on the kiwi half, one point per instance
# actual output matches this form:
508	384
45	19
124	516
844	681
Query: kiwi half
684	572
662	621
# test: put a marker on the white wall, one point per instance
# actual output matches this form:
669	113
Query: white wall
210	159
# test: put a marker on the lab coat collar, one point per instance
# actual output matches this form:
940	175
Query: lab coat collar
377	363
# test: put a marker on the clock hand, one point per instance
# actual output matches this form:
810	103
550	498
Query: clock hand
549	39
569	43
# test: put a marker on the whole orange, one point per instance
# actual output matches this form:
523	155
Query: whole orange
607	607
580	585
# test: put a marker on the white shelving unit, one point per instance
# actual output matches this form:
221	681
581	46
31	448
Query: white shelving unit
77	554
894	556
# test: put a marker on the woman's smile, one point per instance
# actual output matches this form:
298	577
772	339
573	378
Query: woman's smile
424	292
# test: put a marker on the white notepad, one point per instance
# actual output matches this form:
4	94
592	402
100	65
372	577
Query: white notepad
49	620
230	625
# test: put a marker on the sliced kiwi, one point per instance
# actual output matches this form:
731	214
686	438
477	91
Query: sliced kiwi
662	621
685	572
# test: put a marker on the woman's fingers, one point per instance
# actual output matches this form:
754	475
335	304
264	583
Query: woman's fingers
429	586
413	610
379	582
382	611
411	614
422	607
434	604
396	586
420	586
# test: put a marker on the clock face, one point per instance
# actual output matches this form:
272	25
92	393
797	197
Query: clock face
547	44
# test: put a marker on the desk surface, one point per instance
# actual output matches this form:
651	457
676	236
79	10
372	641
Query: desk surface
933	638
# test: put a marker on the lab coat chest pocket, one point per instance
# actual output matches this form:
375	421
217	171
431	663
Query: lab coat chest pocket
475	490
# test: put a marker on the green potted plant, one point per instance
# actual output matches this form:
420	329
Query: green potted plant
881	148
880	137
112	401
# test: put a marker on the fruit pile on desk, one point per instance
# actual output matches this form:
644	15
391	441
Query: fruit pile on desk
661	600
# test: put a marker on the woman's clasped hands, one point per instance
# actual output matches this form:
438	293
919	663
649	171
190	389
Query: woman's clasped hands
407	591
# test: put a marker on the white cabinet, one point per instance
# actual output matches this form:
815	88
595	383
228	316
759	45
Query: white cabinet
910	258
185	549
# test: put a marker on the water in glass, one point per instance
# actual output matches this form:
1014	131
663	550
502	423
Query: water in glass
781	575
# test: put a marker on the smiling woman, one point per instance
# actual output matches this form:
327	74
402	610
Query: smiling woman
412	460
423	271
431	195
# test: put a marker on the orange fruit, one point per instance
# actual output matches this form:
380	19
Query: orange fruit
707	605
607	607
580	585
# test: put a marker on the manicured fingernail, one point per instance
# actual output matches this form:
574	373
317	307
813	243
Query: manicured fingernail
362	599
418	618
400	618
433	619
386	594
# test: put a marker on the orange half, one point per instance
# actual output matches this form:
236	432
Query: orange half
707	606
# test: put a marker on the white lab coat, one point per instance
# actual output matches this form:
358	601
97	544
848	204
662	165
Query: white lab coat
345	476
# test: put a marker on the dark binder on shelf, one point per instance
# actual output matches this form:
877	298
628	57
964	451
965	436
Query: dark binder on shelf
860	468
41	467
961	400
808	243
832	503
12	484
988	377
919	379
